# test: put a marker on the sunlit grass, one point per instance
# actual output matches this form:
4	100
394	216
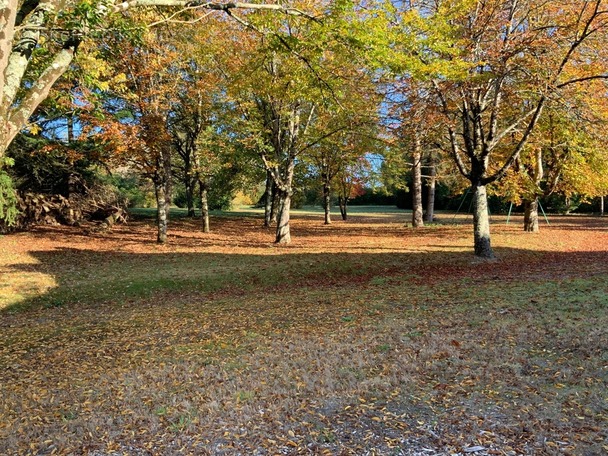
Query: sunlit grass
18	284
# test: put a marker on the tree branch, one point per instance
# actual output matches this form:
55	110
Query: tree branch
217	6
583	79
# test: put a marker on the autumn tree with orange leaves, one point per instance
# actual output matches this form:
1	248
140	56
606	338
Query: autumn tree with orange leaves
135	125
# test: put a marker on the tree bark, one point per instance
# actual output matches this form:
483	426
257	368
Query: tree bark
190	197
167	177
481	222
602	206
70	128
536	172
531	216
343	208
268	199
327	202
283	232
417	220
205	207
161	210
284	191
431	186
276	202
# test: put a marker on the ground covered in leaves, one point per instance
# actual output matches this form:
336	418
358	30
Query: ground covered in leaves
363	337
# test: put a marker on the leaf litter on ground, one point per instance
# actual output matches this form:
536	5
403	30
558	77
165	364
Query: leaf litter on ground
361	338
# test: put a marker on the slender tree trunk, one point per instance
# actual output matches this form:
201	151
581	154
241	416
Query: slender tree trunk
536	172
70	128
161	210
276	202
189	184
342	203
327	202
602	206
168	181
268	199
204	207
431	185
531	216
481	222
417	220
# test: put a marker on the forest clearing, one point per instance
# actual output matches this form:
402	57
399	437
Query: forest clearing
360	337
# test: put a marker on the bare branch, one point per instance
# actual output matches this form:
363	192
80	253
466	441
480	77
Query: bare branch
583	79
217	6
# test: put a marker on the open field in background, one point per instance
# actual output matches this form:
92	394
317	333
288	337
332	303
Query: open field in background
363	337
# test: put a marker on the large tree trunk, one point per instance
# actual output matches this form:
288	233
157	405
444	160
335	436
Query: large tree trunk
284	191
431	185
161	210
417	220
268	199
327	202
481	222
163	188
205	207
283	233
531	216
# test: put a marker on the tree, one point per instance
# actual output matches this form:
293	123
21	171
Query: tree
297	95
335	156
520	54
191	120
565	156
416	129
135	127
568	153
351	183
38	43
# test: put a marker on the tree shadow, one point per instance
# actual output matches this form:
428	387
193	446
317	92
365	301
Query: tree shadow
88	277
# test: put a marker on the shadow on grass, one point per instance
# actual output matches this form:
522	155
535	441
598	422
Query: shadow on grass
90	277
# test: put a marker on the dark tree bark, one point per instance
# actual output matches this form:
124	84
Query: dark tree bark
189	184
343	202
431	185
268	199
274	208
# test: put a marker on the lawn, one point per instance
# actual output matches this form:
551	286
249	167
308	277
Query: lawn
363	337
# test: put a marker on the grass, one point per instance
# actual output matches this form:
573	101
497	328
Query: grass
364	337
